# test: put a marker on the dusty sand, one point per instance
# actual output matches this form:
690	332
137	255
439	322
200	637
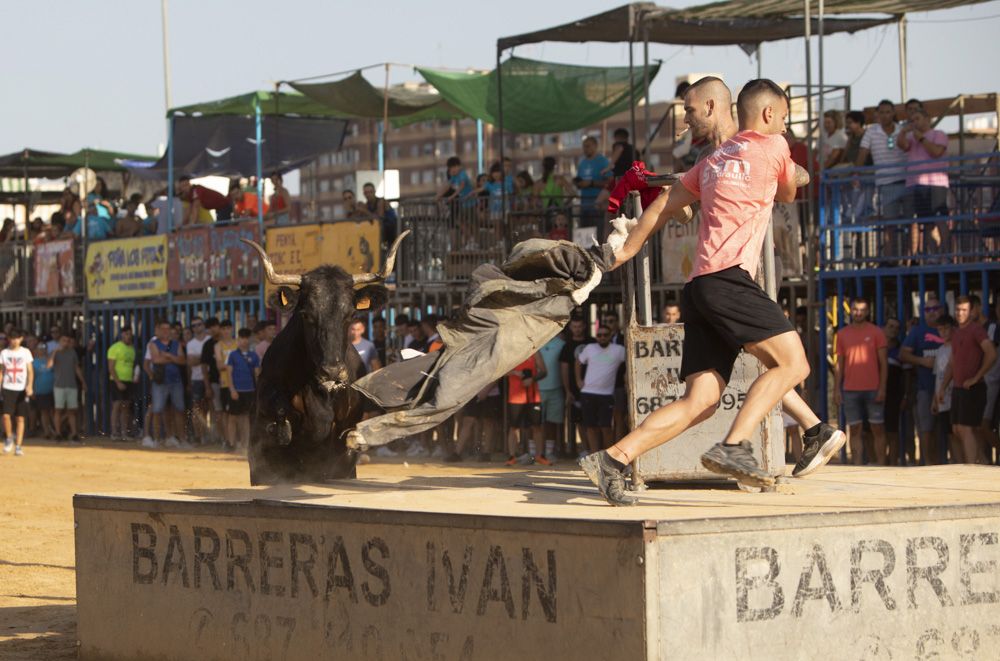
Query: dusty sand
37	579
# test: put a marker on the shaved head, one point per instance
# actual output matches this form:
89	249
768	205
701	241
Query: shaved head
711	87
708	109
762	106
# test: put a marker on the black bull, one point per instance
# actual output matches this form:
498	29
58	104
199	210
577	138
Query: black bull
304	405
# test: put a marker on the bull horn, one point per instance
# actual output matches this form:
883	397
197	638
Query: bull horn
272	277
390	262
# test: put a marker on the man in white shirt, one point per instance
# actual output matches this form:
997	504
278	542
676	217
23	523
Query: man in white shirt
196	372
17	377
597	387
365	348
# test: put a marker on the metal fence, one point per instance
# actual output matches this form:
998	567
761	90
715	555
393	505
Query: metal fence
866	223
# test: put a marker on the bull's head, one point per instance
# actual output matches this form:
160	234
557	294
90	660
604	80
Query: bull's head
326	298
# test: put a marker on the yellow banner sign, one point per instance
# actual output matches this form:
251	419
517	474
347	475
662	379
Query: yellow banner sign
128	268
353	246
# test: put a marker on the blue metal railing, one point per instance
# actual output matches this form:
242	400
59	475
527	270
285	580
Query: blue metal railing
866	226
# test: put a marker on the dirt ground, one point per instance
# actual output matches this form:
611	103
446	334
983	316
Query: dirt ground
37	564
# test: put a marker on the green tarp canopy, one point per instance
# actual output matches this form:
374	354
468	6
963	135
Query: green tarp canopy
271	103
95	159
51	165
541	97
356	98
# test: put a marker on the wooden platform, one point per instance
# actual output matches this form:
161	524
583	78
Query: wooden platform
849	563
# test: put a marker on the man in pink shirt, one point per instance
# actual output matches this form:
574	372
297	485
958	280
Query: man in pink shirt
926	183
862	371
724	310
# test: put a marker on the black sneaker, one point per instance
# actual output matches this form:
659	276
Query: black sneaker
819	449
608	479
736	461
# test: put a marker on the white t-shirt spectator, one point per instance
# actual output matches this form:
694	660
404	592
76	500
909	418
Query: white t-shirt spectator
602	367
15	368
941	359
194	346
838	140
366	349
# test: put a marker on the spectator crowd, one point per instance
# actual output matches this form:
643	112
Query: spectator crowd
925	393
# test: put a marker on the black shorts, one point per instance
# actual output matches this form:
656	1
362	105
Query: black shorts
524	415
488	408
240	406
121	395
722	312
968	405
227	399
597	409
15	403
43	402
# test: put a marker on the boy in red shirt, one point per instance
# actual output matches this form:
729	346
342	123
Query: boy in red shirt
862	371
724	310
972	356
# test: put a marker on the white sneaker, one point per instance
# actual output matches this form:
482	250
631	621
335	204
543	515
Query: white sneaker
18	452
8	445
172	443
384	452
148	442
416	449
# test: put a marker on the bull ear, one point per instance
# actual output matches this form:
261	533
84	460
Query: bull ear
283	299
371	297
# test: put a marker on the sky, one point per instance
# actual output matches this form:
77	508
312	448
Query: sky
90	73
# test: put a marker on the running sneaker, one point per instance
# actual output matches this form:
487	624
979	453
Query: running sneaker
172	443
512	461
736	461
8	445
609	480
818	449
540	459
148	442
18	452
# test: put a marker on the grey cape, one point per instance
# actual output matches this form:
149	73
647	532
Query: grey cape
512	310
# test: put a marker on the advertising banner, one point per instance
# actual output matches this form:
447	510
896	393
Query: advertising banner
127	268
54	267
202	257
353	246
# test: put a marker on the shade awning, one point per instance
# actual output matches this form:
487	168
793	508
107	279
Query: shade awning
227	144
32	163
789	8
638	21
355	97
52	165
270	103
541	97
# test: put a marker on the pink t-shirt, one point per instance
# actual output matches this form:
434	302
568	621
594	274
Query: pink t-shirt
857	348
736	185
928	174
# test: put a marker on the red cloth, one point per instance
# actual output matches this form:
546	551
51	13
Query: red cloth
966	352
633	179
209	198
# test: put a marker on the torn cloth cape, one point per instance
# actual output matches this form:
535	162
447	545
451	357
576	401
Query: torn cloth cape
512	310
